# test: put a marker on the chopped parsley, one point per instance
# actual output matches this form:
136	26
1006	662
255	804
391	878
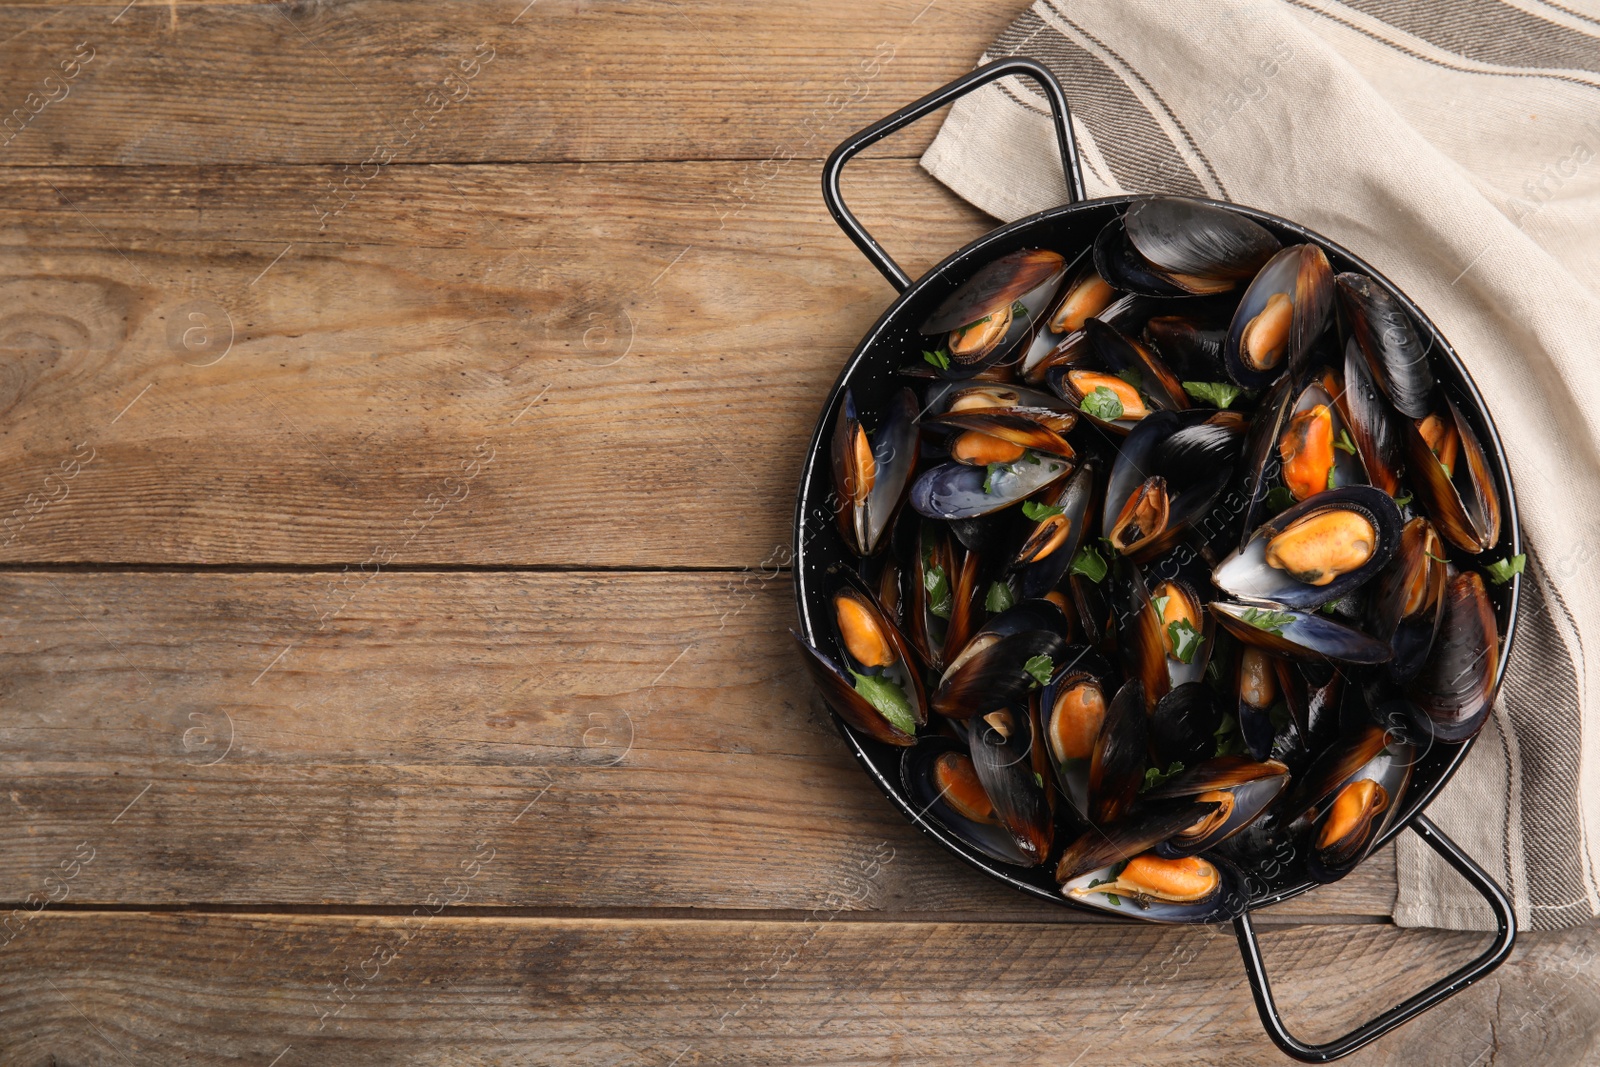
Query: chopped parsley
939	358
1279	498
1037	512
1344	444
988	477
1265	619
1132	376
1102	404
1219	394
999	598
1089	563
1040	667
1402	500
1186	640
936	584
1230	741
1501	571
889	700
1154	776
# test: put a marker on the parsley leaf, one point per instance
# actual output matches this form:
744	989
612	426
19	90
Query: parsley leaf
888	699
1344	444
1114	900
1037	512
1154	776
1040	667
1331	472
1038	779
1402	500
1221	394
1089	563
1271	621
999	598
1132	376
937	585
939	358
1160	604
1102	404
1279	498
1230	742
1501	570
1186	640
988	477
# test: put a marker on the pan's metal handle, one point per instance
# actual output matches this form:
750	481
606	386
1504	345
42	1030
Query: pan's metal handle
932	102
1441	990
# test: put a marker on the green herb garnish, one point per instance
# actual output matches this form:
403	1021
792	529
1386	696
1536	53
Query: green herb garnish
1102	404
988	477
1154	776
1344	444
1088	563
1037	512
1331	472
1132	376
999	598
1220	394
1040	667
888	699
1038	779
1160	604
1279	497
1436	559
1271	621
937	585
1186	640
1402	500
1230	742
939	358
1501	571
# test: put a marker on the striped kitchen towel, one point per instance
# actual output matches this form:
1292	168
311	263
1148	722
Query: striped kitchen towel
1455	145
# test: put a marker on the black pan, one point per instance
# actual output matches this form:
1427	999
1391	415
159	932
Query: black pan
871	375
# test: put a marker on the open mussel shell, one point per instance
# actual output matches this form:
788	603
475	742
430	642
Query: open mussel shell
1189	347
1072	712
1310	448
841	695
1257	687
1173	246
870	474
1101	846
1339	764
1407	600
1049	543
1194	889
1085	297
1002	747
1371	424
992	313
1241	788
1357	800
1298	634
941	782
1184	725
1279	316
1168	473
1116	764
1015	428
1049	349
1460	497
958	491
991	671
1316	551
942	612
1456	683
1388	341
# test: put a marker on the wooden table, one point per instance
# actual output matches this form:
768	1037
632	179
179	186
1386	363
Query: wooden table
402	408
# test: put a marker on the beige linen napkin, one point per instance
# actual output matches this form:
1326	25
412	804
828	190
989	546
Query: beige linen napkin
1455	145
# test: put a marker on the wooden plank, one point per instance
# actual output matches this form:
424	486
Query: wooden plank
508	80
198	374
622	741
306	990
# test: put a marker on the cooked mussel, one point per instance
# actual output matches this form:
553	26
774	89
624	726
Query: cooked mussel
990	313
961	491
1452	479
1315	449
1241	788
1454	688
1184	724
1116	763
1387	339
1408	598
1170	246
1317	551
1279	316
1011	654
1167	474
1002	745
1143	830
870	474
1057	526
1371	424
1298	634
1351	796
941	782
1194	889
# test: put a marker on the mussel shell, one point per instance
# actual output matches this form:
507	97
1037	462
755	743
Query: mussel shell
1415	560
1339	764
1004	767
991	677
1301	273
1199	453
1347	469
1463	504
1116	769
1143	830
1254	785
1118	262
1184	724
1371	424
1076	497
1185	240
1227	902
1390	767
1014	427
1302	635
995	286
1456	684
1139	632
916	778
1083	665
1260	462
1119	353
853	493
1388	341
1187	347
1247	575
1048	350
955	491
840	694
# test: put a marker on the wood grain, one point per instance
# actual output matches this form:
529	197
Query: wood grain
821	990
566	80
236	386
623	740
